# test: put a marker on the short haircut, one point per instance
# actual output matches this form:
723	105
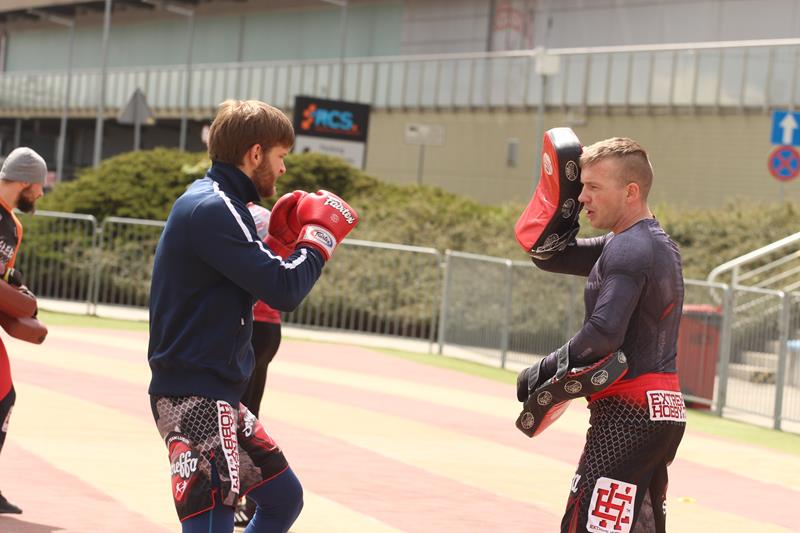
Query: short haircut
240	124
633	158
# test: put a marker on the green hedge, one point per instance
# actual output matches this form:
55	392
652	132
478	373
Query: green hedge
145	184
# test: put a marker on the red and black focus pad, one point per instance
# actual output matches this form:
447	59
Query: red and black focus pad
549	401
15	302
26	329
550	221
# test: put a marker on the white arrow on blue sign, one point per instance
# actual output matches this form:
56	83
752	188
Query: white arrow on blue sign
785	128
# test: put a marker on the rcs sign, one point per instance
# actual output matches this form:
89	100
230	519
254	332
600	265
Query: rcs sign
328	119
331	119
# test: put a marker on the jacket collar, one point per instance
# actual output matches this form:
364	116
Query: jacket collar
233	182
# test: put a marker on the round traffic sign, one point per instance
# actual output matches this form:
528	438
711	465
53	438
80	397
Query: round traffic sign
784	163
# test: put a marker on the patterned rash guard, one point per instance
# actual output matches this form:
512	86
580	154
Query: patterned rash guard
633	298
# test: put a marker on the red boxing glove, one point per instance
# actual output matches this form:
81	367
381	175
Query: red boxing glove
283	225
326	219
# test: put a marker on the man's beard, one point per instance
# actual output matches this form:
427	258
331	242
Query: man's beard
24	203
264	180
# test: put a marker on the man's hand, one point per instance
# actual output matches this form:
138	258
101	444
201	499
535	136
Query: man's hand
12	276
283	225
326	219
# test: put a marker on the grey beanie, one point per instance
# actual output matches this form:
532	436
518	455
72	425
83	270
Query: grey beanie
23	164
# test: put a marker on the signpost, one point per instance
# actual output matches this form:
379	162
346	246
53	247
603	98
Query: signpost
136	112
784	160
424	135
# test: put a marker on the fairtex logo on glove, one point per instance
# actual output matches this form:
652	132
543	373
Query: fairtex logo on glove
323	237
339	206
320	236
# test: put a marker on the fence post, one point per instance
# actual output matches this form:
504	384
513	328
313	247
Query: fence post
504	332
434	324
780	374
95	296
725	347
90	295
443	308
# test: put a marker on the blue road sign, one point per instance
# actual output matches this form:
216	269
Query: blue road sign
785	128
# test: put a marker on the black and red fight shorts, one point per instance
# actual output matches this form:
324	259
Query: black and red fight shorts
217	453
620	485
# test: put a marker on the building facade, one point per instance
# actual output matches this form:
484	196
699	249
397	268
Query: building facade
696	81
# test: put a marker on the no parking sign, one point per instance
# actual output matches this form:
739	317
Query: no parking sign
784	163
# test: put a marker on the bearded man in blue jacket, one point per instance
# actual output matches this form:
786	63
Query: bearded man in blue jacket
210	267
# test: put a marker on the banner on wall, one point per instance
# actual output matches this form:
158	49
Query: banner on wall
331	127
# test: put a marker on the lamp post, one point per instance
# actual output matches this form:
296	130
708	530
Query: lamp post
62	131
187	77
342	40
101	99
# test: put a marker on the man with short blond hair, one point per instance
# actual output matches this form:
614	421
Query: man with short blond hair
634	296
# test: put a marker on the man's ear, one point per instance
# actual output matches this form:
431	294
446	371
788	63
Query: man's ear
632	191
254	154
251	158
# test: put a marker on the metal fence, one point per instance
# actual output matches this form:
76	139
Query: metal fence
59	255
738	348
506	308
123	261
742	74
373	287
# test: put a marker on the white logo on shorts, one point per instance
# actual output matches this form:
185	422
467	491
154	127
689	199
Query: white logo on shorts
611	509
574	485
230	445
180	488
185	465
666	405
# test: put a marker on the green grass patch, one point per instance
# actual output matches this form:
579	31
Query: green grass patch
450	363
705	422
85	321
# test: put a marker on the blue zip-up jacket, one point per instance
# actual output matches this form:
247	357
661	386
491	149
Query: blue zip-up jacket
210	267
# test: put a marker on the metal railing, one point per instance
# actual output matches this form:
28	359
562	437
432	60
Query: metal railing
776	265
732	74
736	349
